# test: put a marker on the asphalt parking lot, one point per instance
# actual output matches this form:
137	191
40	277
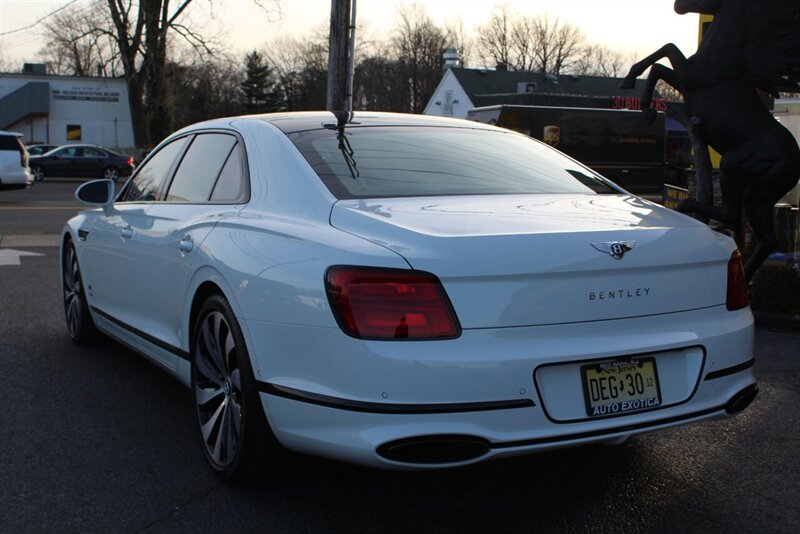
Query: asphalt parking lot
98	440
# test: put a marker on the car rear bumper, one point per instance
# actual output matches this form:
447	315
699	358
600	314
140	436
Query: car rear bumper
16	179
434	404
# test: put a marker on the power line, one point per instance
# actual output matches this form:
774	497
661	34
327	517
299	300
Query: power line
28	27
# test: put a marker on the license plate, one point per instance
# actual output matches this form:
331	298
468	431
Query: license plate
620	386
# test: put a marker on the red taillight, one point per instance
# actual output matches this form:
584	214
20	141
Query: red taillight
373	303
737	284
130	161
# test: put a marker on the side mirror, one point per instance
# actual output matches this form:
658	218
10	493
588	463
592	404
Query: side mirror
98	193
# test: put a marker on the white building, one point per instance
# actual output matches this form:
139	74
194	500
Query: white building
66	109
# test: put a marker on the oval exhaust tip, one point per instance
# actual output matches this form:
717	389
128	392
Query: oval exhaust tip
436	449
742	400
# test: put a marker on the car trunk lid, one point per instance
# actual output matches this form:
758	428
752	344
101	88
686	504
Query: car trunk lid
546	259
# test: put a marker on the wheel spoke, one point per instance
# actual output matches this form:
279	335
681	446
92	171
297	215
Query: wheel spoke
69	274
74	313
211	344
236	380
208	428
205	395
221	433
207	369
231	434
236	417
230	355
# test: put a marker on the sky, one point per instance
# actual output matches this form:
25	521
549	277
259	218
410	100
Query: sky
633	27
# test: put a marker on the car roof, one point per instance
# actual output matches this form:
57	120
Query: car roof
15	134
80	145
312	120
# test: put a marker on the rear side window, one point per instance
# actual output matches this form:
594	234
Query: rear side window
152	176
373	162
231	185
200	167
10	142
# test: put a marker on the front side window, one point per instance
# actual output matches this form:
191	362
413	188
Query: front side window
152	176
200	167
401	161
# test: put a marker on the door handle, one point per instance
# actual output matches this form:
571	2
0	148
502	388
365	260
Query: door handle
126	232
186	244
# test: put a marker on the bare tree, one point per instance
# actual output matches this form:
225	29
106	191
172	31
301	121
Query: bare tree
494	38
5	62
536	43
418	45
79	44
559	44
458	38
599	60
133	38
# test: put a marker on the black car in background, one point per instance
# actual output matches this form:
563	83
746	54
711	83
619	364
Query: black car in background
83	161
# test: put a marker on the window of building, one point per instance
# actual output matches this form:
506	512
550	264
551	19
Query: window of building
73	132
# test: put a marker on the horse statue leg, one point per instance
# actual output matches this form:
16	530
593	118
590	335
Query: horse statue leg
760	204
669	51
760	200
733	183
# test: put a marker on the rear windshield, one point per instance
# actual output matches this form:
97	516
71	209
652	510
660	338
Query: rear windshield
11	142
374	162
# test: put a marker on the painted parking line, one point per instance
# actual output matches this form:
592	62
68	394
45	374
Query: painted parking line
30	240
9	256
42	208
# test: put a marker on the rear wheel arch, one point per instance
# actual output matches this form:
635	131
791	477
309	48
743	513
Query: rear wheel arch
201	294
206	282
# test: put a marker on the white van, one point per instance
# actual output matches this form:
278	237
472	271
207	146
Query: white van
14	171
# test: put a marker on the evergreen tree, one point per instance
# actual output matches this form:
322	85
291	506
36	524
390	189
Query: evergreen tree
260	94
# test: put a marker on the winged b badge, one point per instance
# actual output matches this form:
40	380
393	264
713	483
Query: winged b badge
616	249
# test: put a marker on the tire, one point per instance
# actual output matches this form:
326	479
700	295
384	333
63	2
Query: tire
38	173
80	326
236	439
111	173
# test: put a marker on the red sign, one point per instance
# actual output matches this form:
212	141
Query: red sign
635	102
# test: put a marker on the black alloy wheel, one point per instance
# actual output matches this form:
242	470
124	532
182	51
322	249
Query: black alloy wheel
38	173
79	322
111	173
235	436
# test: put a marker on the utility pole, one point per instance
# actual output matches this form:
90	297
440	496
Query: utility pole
340	59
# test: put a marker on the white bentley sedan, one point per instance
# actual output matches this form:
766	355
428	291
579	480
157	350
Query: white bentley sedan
406	292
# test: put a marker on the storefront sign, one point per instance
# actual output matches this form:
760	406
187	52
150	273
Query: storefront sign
635	102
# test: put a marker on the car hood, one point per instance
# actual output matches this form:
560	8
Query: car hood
539	259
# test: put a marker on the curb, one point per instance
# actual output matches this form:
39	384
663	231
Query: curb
777	320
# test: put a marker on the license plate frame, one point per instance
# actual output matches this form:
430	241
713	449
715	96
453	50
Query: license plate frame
622	385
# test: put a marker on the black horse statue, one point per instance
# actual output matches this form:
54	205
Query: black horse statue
750	45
